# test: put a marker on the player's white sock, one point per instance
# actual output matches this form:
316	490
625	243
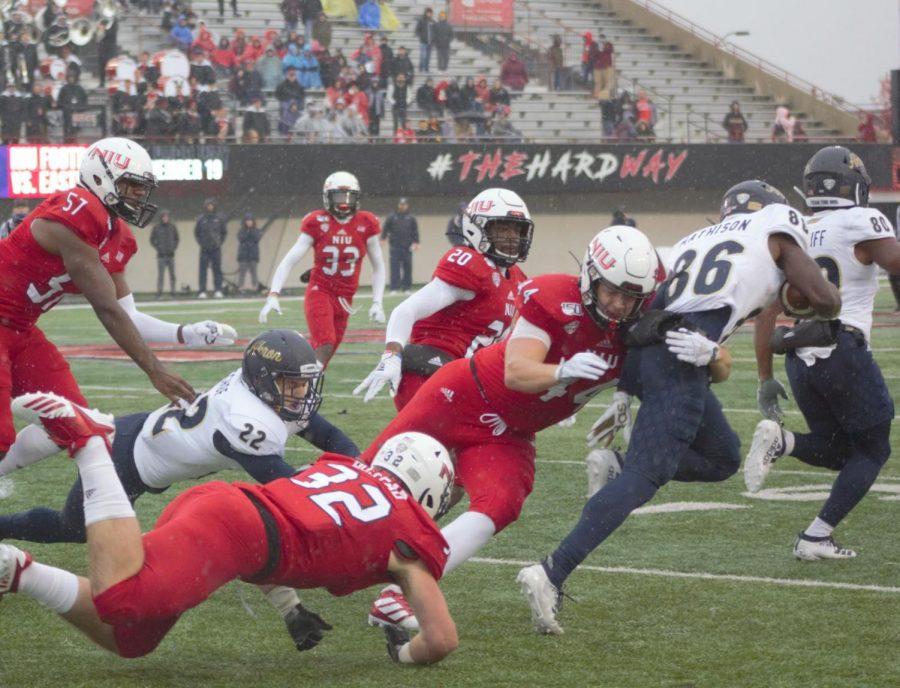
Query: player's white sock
283	599
32	444
104	496
819	529
466	535
52	587
788	442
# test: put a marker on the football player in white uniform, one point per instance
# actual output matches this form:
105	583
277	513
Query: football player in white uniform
722	275
836	382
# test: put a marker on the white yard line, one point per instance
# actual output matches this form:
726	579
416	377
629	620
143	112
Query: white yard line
701	575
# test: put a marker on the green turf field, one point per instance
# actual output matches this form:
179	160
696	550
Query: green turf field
646	613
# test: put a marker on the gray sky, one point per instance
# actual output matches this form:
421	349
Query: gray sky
843	46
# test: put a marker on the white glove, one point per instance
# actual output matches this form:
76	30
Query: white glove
271	305
568	422
616	417
691	347
585	365
208	333
376	313
387	371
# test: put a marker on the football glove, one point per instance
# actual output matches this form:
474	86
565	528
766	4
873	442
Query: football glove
306	628
387	371
767	399
376	313
568	422
616	417
691	347
396	639
208	333
271	305
584	365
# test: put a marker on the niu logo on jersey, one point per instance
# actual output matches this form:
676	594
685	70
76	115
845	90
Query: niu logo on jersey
602	256
112	158
341	239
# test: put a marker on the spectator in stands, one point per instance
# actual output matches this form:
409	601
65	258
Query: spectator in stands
181	34
253	52
164	238
425	98
604	71
238	45
497	97
405	133
358	100
189	126
269	69
203	39
556	61
513	74
169	12
106	39
73	62
201	68
502	128
71	98
234	9
783	126
292	11
867	132
249	236
387	61
426	134
12	113
292	60
483	91
313	12
645	114
308	74
401	64
158	121
368	56
37	121
587	57
399	100
625	124
377	97
735	123
610	112
800	135
425	34
322	31
210	232
256	118
208	104
223	58
289	112
290	89
370	15
455	101
245	85
348	122
443	36
312	127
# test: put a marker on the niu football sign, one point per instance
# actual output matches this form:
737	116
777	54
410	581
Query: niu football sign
482	14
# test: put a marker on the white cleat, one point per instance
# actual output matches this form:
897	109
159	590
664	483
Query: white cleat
542	597
807	549
766	448
603	466
12	562
390	608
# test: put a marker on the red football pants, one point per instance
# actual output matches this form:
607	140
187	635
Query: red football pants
496	470
410	383
326	317
205	538
29	362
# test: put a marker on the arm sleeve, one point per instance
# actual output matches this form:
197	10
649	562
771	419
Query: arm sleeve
291	258
323	435
378	271
262	469
526	330
433	297
150	328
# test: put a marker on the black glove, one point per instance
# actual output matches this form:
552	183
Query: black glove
805	333
304	278
652	327
305	627
396	638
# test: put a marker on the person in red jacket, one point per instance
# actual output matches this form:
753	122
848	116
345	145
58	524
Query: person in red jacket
513	74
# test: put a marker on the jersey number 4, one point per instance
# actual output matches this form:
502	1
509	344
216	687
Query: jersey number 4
340	260
712	274
328	501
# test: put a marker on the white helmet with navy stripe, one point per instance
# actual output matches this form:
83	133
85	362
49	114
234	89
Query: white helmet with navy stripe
497	223
119	172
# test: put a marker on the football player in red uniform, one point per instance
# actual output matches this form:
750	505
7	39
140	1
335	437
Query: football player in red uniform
340	235
469	303
77	241
565	347
300	532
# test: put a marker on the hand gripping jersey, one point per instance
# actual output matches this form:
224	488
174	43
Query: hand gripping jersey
339	249
33	280
833	235
466	326
339	521
729	265
185	444
552	303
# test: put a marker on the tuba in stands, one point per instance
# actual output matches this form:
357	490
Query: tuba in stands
106	13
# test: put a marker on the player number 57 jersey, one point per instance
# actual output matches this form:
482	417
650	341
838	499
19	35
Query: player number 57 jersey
729	265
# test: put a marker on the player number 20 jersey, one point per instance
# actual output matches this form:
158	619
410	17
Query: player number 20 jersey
729	265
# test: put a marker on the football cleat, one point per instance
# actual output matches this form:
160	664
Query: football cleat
813	549
766	448
543	598
603	466
69	425
391	609
12	562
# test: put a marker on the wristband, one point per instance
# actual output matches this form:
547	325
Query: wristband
404	655
179	335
